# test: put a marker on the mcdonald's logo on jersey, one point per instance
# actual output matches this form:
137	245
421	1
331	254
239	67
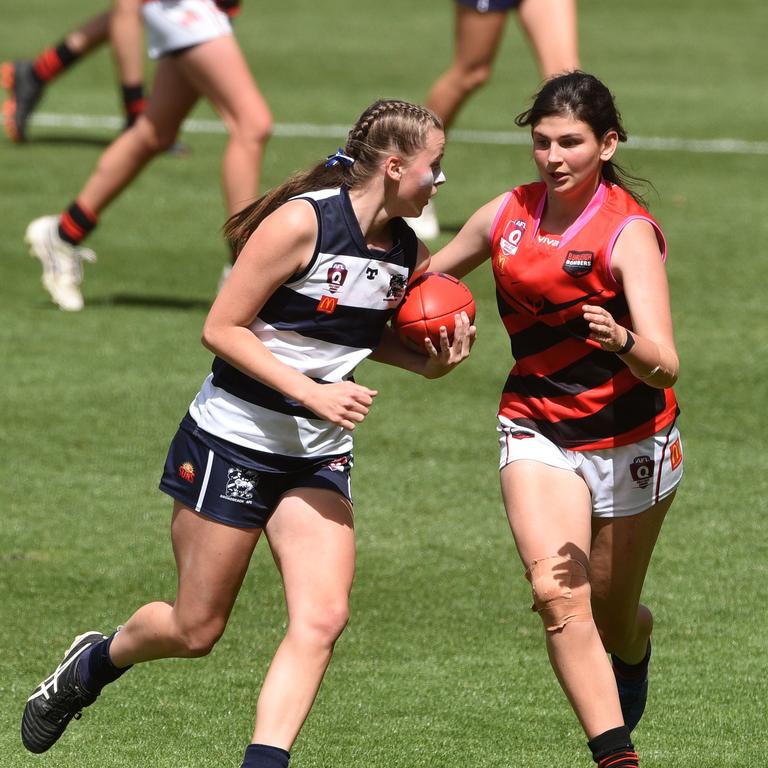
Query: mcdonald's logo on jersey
327	304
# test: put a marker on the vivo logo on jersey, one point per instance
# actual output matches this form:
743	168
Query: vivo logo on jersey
546	240
511	237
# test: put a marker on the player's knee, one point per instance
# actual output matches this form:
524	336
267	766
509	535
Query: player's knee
473	77
251	125
200	639
153	139
561	592
325	623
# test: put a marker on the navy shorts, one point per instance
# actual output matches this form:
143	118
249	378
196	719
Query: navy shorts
490	6
238	486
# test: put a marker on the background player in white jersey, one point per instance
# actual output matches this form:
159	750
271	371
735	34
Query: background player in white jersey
324	260
198	56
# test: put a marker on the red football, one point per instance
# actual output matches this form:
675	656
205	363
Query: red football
431	301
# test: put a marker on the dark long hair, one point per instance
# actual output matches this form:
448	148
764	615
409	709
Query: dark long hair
582	96
386	126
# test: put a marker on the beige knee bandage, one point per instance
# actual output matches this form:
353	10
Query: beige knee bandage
561	591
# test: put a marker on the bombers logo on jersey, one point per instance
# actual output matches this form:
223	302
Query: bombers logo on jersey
240	486
337	274
641	470
397	285
578	263
511	237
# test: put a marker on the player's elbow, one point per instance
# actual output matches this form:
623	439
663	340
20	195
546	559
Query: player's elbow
211	337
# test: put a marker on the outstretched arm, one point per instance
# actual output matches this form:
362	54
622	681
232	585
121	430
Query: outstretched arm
650	351
471	246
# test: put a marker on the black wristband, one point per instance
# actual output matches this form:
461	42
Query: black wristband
627	345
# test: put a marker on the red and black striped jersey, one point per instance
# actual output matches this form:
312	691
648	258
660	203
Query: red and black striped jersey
563	384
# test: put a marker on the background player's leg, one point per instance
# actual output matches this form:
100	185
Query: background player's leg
219	72
552	29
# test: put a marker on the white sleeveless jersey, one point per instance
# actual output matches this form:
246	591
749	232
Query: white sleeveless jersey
322	322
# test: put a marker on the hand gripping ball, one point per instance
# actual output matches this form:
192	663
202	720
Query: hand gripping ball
431	300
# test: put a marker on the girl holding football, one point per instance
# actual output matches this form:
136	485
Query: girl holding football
266	445
590	452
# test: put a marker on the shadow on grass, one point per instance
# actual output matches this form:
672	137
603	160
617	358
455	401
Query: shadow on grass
148	302
70	141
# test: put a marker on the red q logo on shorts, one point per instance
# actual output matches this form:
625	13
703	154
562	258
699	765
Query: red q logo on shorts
641	470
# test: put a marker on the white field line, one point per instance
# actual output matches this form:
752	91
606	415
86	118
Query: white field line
662	143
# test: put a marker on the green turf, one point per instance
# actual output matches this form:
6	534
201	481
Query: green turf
442	664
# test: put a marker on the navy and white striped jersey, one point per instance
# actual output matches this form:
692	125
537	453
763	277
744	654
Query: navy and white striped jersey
322	322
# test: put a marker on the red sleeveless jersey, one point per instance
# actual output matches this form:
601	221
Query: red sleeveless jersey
563	384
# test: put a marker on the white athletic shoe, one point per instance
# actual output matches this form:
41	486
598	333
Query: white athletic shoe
426	226
62	262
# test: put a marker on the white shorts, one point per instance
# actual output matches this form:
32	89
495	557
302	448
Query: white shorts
173	25
623	481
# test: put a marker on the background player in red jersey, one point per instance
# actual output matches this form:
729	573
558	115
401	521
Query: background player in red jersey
551	27
198	56
590	454
26	81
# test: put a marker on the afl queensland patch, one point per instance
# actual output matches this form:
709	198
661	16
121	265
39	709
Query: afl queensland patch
578	263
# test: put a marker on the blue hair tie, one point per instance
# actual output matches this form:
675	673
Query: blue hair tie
339	157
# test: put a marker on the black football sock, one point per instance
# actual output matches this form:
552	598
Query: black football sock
264	756
614	749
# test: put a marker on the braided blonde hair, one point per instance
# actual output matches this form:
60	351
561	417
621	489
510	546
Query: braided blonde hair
387	126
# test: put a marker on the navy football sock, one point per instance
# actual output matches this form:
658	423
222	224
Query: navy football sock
264	756
637	671
95	669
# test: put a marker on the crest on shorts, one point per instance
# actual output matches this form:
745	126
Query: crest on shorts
641	469
241	483
340	464
187	471
578	263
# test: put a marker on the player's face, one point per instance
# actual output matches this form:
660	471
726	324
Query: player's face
569	156
422	174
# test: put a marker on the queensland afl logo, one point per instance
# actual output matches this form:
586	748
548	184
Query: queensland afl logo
513	234
337	274
641	470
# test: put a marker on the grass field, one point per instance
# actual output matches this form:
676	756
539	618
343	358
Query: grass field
442	664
